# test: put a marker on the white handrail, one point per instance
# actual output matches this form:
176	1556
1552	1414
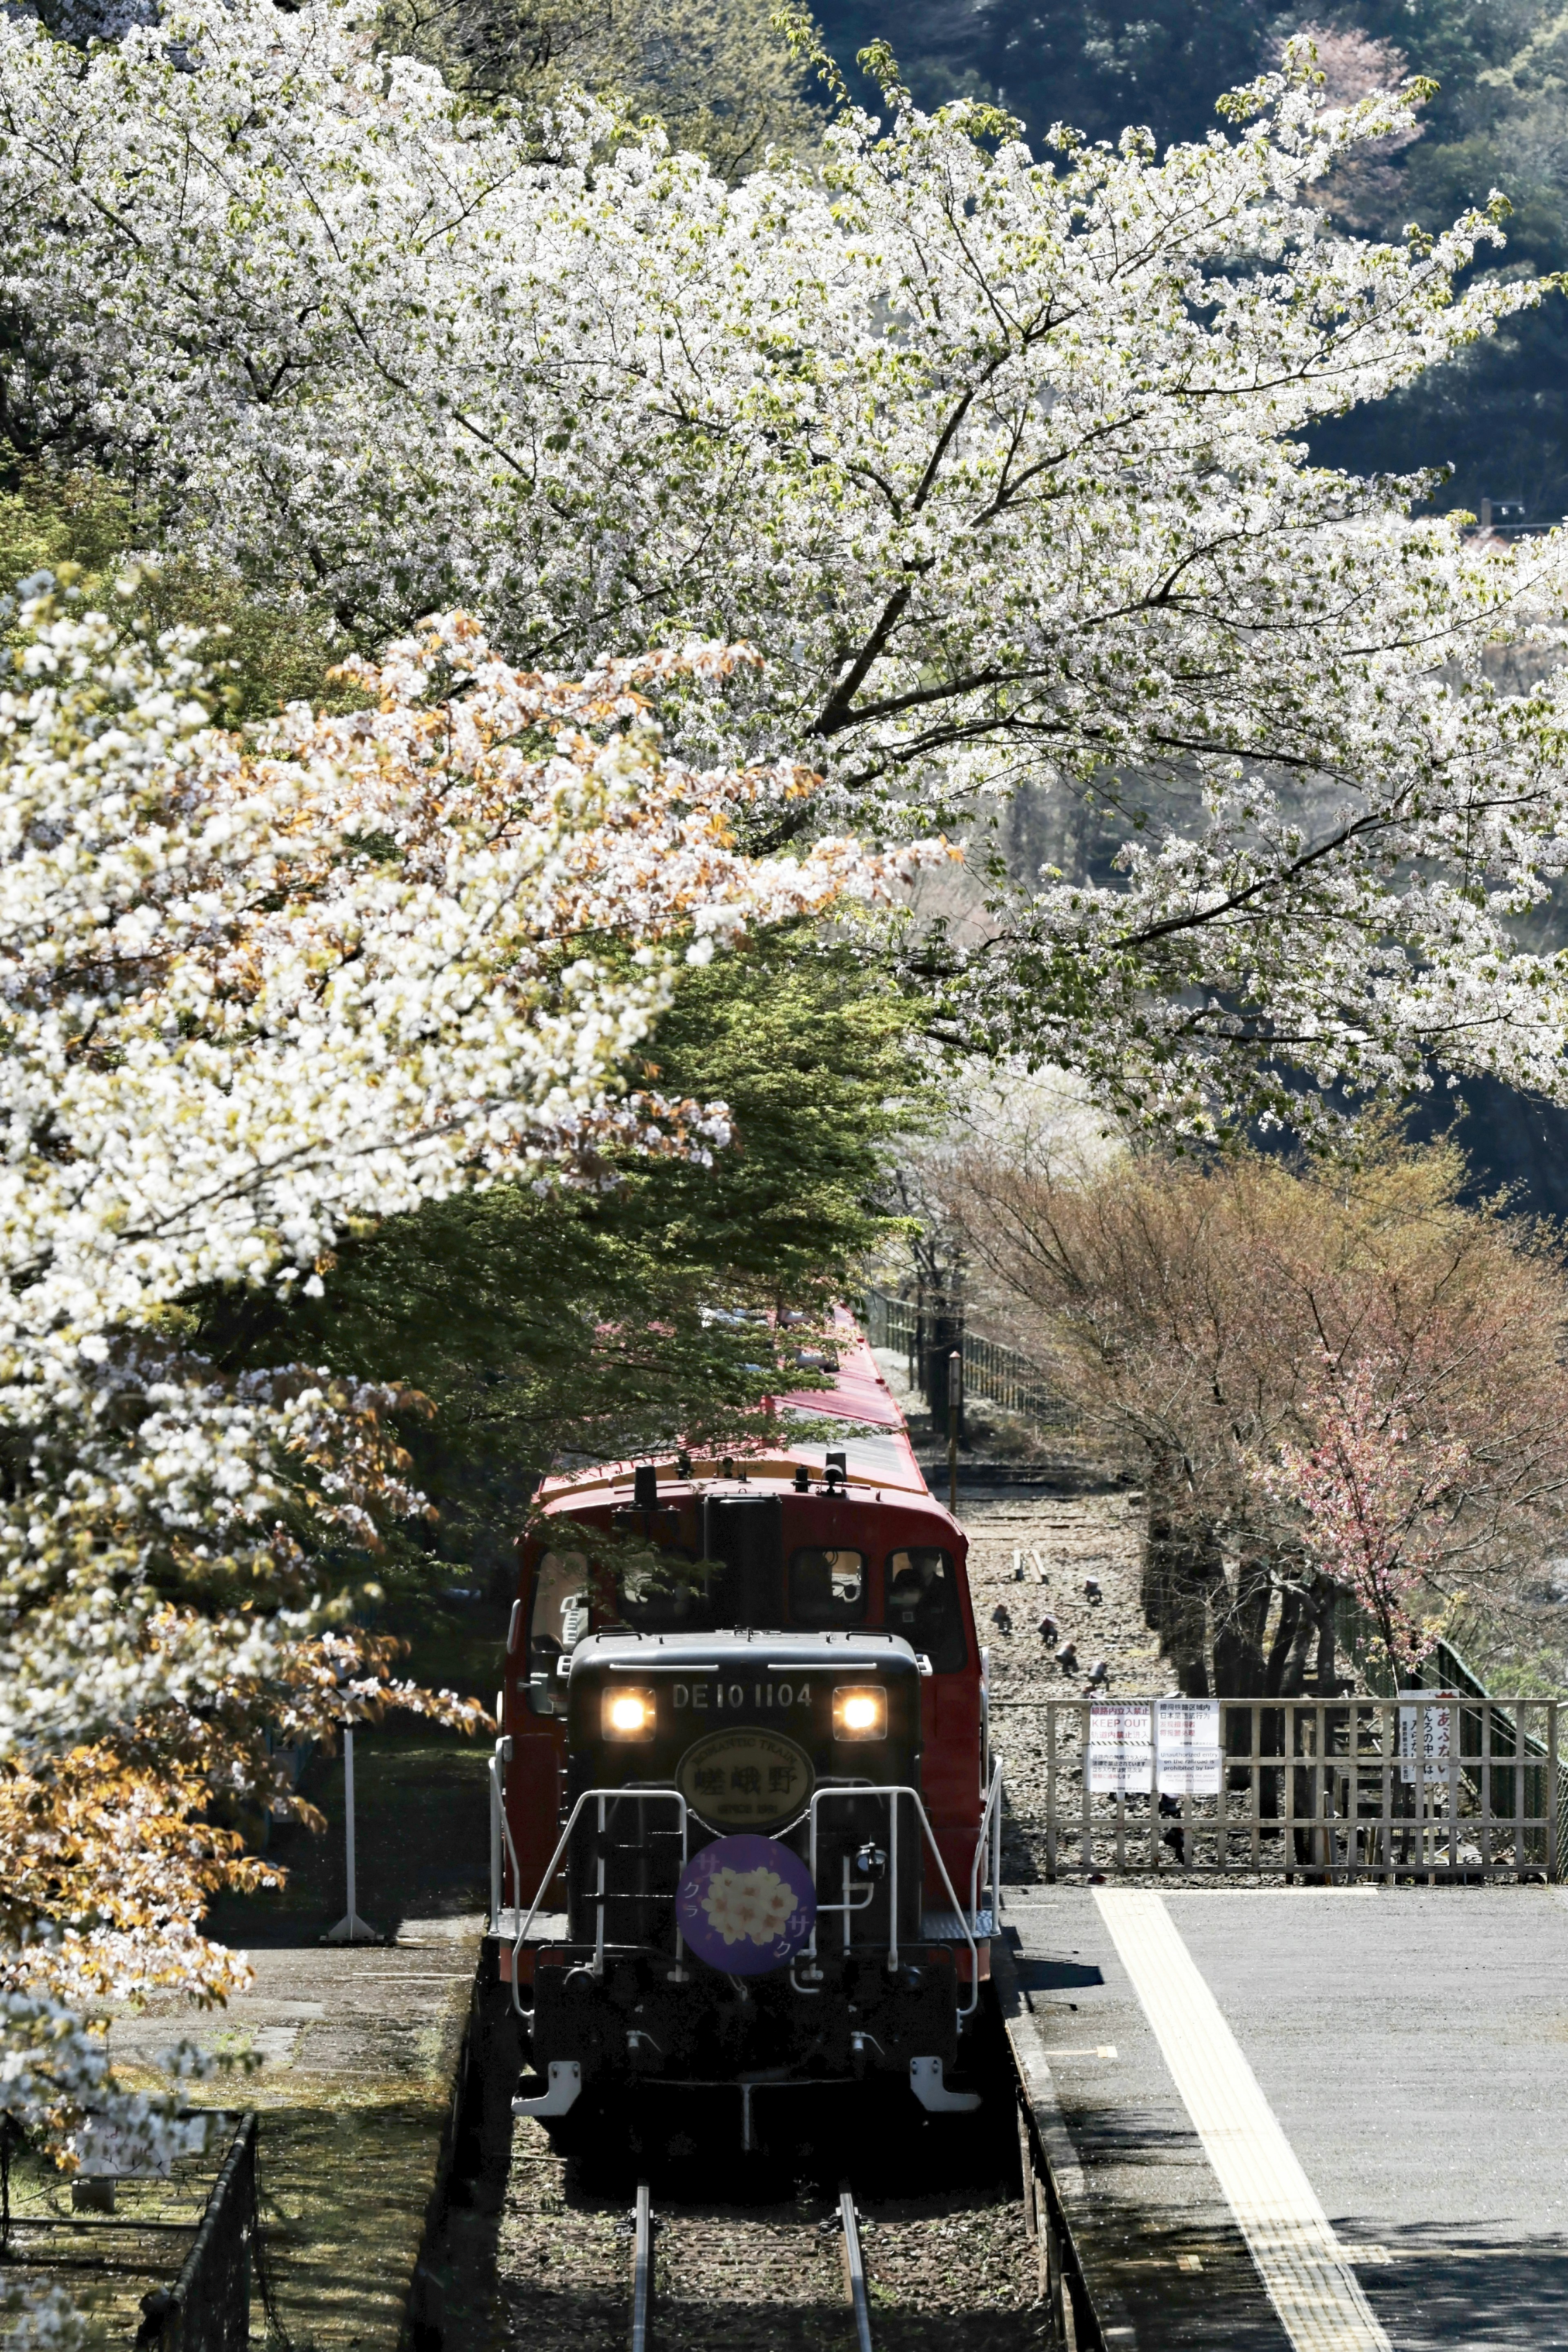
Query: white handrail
673	1796
604	1796
500	1827
990	1830
828	1796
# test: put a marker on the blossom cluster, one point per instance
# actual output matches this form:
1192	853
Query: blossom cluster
255	988
1376	1498
1003	457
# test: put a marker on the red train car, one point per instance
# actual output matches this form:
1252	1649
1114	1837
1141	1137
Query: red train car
744	1819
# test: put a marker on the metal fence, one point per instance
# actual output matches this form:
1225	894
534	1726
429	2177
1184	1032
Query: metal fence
208	2307
1429	1788
999	1374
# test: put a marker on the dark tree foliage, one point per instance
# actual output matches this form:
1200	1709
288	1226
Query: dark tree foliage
1499	419
1098	69
593	1322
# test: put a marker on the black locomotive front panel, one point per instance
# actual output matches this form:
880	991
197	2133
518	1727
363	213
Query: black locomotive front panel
640	2014
744	1871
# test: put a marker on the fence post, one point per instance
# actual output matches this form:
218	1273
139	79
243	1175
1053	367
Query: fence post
1051	1706
954	1422
351	1929
1554	1869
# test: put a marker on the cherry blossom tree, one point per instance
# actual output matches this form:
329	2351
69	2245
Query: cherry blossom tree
257	988
1376	1503
1002	458
1337	1379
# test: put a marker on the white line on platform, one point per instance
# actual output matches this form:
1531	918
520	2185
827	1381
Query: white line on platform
1317	2296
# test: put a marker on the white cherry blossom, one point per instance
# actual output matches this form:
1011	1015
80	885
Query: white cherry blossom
255	988
998	457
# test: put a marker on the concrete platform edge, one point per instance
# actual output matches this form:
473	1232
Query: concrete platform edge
423	2316
1059	2169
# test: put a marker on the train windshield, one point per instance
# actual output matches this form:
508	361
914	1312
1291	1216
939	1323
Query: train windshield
666	1593
923	1605
827	1588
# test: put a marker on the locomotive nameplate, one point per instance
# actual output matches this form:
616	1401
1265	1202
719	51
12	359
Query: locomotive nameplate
746	1778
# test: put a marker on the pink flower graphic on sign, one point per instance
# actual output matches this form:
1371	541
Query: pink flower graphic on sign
748	1903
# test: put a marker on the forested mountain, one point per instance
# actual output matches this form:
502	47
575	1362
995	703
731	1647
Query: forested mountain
721	78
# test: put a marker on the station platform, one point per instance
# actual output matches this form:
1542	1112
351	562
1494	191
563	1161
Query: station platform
351	2056
1328	2119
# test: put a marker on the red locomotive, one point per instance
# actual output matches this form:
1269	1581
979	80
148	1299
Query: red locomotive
744	1820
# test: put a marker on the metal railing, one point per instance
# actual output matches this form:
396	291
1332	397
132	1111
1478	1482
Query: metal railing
503	1853
208	2308
898	1797
603	1895
1434	1788
998	1373
977	1921
988	1851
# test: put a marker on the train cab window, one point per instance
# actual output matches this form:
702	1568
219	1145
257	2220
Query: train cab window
664	1593
924	1607
827	1588
560	1616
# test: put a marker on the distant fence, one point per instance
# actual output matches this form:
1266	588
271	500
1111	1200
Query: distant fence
208	2308
921	1333
1445	1669
1435	1788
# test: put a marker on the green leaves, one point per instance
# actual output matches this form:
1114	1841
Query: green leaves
596	1318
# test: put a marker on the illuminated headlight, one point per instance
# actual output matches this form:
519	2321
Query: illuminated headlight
628	1714
859	1713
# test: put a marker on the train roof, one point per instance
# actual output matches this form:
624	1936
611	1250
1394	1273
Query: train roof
875	1446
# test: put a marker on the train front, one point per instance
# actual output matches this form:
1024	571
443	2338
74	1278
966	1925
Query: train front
747	1866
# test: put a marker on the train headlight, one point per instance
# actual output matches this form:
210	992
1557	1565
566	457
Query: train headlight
860	1712
628	1714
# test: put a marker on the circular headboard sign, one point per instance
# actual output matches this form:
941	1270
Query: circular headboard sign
745	1905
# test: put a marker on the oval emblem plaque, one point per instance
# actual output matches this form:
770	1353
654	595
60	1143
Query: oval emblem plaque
745	1905
746	1779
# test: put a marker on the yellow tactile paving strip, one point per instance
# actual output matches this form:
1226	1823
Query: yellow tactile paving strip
1316	2294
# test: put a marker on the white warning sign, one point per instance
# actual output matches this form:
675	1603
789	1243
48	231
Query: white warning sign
1121	1749
1427	1731
1187	1743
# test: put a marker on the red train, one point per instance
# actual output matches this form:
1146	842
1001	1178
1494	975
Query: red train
744	1820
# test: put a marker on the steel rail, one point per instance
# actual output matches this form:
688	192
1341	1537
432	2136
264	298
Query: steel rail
855	2268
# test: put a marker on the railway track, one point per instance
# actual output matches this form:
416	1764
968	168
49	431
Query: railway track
676	2249
645	2272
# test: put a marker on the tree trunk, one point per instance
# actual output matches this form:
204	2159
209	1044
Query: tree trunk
1240	1614
1180	1562
1328	1663
1293	1677
1284	1638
